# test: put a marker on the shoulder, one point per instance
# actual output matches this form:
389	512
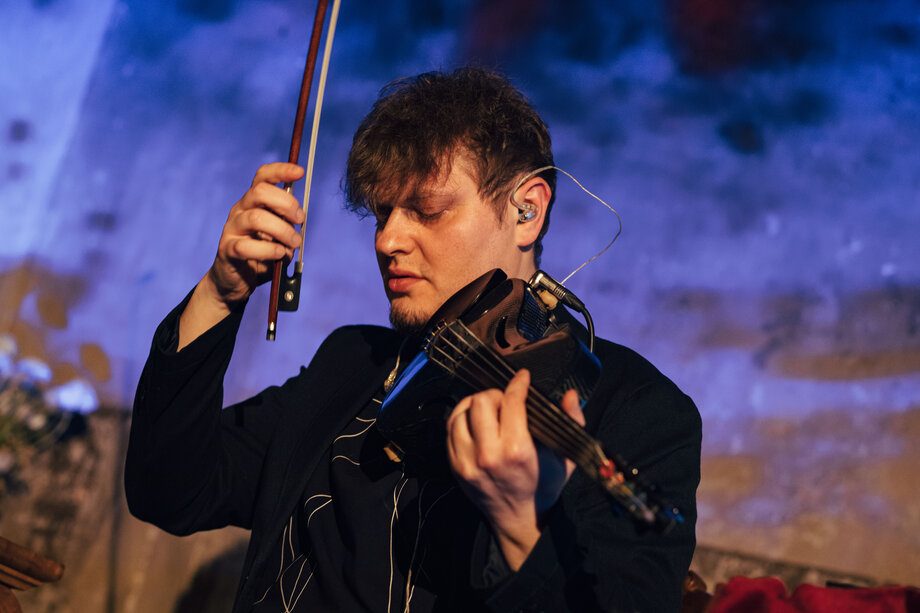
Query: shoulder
627	368
635	399
626	373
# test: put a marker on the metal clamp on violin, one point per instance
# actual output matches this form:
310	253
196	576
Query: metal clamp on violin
477	340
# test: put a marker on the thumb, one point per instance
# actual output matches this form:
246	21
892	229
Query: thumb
572	408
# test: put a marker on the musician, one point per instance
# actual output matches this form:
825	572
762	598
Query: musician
337	524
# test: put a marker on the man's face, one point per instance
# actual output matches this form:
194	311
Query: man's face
434	241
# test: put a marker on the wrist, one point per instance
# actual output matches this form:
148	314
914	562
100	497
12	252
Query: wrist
205	308
516	539
215	297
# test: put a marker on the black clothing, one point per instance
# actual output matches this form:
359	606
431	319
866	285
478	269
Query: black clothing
192	467
336	552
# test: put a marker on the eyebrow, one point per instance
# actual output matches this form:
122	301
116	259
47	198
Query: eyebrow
419	201
438	200
413	199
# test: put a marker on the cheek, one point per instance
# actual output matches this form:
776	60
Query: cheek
467	248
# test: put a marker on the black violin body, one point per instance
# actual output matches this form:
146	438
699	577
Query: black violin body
477	340
504	313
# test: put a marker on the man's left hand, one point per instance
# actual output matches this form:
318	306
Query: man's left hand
501	469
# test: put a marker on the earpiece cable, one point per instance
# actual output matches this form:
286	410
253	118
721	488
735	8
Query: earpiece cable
524	208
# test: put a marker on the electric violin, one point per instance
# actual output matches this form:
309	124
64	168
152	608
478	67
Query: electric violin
477	340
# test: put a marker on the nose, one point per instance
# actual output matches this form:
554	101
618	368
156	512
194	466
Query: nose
396	234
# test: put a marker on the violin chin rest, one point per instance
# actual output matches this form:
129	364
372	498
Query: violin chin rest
467	297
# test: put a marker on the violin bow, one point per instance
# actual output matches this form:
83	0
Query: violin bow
285	288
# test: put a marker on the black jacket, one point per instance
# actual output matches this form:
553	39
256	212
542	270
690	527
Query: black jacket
192	466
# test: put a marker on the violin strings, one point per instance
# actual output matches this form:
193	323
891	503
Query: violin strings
550	424
579	450
478	364
500	376
490	363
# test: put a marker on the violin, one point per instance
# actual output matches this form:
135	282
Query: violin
478	340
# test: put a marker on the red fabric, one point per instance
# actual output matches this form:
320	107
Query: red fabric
769	595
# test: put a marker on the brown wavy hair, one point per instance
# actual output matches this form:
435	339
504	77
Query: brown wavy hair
419	123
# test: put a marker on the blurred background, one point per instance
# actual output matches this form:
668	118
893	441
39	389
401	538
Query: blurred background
762	153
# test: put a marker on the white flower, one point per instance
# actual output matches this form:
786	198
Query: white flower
34	369
76	395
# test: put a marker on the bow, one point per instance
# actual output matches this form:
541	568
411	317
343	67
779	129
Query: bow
285	288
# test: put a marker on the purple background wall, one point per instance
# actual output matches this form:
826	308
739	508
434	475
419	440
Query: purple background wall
763	156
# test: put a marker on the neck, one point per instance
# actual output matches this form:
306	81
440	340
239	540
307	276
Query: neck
524	270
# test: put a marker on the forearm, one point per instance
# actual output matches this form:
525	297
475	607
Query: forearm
176	442
589	557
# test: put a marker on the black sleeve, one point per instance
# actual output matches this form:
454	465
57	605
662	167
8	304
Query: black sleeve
190	465
590	557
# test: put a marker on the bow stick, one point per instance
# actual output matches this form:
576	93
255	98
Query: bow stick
285	288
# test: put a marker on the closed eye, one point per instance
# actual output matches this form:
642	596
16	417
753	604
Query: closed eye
423	216
428	217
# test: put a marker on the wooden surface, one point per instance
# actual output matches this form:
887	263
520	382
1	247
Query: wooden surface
20	567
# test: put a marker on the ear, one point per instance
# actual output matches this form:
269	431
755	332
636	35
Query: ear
535	195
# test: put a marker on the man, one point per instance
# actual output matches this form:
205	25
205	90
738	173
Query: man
336	525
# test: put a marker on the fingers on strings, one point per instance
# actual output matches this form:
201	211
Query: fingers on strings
490	427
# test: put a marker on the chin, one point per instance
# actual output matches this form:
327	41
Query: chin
407	320
410	323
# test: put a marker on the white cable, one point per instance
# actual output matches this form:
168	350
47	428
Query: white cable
393	519
317	111
525	207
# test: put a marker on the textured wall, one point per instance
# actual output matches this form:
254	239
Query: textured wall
762	154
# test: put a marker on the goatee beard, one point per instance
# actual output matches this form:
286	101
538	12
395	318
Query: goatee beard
410	324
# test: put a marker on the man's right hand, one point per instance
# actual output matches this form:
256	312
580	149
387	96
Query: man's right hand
257	233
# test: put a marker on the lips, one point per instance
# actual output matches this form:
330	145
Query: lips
400	281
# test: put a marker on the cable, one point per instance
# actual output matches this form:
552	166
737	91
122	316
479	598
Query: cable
526	209
550	291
